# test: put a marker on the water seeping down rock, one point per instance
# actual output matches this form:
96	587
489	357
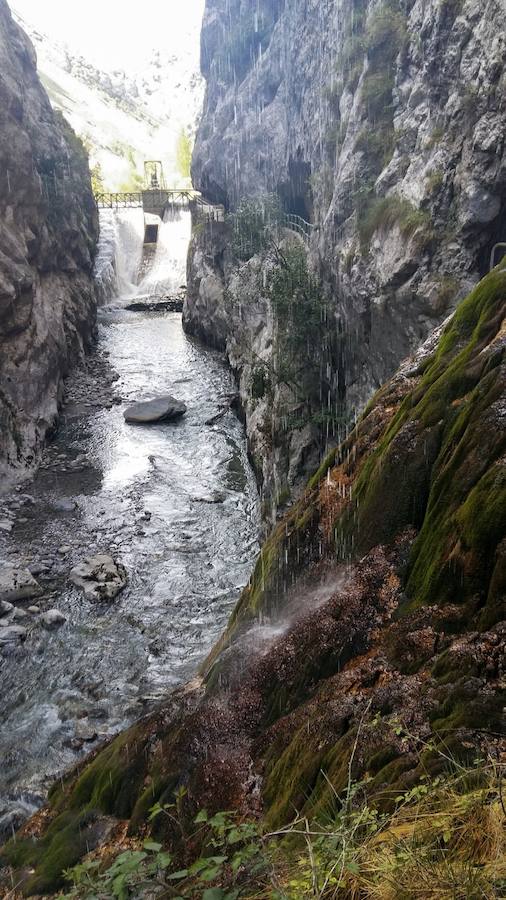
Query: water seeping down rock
48	232
383	125
385	591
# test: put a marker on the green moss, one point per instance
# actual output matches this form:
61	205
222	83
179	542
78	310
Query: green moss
437	467
112	782
65	842
323	471
160	790
449	667
462	709
304	778
260	383
289	777
382	758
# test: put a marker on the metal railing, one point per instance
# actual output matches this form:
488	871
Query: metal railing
137	199
207	212
495	248
299	226
156	200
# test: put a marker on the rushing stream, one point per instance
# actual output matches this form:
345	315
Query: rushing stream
176	503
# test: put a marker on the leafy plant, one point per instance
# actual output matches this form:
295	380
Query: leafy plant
385	212
184	153
253	224
443	837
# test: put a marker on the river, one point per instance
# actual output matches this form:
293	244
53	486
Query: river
176	504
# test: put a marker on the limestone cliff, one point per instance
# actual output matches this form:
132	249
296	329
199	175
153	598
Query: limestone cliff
381	123
380	599
48	232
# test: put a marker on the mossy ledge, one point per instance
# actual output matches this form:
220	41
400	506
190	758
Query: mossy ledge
385	591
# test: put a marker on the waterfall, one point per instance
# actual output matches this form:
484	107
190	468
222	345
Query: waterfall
167	272
124	268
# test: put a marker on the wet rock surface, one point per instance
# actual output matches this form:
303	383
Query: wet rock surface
17	584
100	577
160	409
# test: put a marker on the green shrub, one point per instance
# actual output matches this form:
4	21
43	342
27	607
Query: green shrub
252	225
435	180
260	383
385	212
386	30
377	94
377	145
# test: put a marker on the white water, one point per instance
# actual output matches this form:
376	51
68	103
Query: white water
121	252
168	272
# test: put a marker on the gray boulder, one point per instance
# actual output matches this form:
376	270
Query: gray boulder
12	633
160	409
100	577
17	584
53	618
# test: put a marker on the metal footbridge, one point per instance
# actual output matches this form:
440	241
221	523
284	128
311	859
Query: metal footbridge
156	201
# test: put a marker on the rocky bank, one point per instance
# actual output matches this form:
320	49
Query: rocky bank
48	233
382	124
369	643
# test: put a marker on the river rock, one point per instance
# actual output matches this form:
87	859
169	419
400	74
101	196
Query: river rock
100	577
53	618
160	409
12	633
17	584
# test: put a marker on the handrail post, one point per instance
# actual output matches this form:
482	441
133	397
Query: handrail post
496	247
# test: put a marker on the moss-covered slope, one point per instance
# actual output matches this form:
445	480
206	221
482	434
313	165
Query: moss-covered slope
370	643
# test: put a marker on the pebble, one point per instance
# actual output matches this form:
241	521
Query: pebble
34	609
64	550
38	569
18	613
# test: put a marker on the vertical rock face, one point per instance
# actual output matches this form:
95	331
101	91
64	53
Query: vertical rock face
382	123
48	233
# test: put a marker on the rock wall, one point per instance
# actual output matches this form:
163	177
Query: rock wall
48	233
383	124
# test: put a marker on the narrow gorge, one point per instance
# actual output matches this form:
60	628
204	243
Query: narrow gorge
182	714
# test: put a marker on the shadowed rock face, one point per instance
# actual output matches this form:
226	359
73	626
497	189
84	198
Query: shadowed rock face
48	232
379	599
382	124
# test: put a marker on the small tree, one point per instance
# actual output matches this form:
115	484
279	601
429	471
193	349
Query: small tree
184	154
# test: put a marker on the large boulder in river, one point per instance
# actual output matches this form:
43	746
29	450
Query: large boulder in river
160	409
17	584
100	577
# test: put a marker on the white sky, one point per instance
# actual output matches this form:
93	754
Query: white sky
116	33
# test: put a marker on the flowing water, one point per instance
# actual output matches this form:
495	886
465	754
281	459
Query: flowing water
176	503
